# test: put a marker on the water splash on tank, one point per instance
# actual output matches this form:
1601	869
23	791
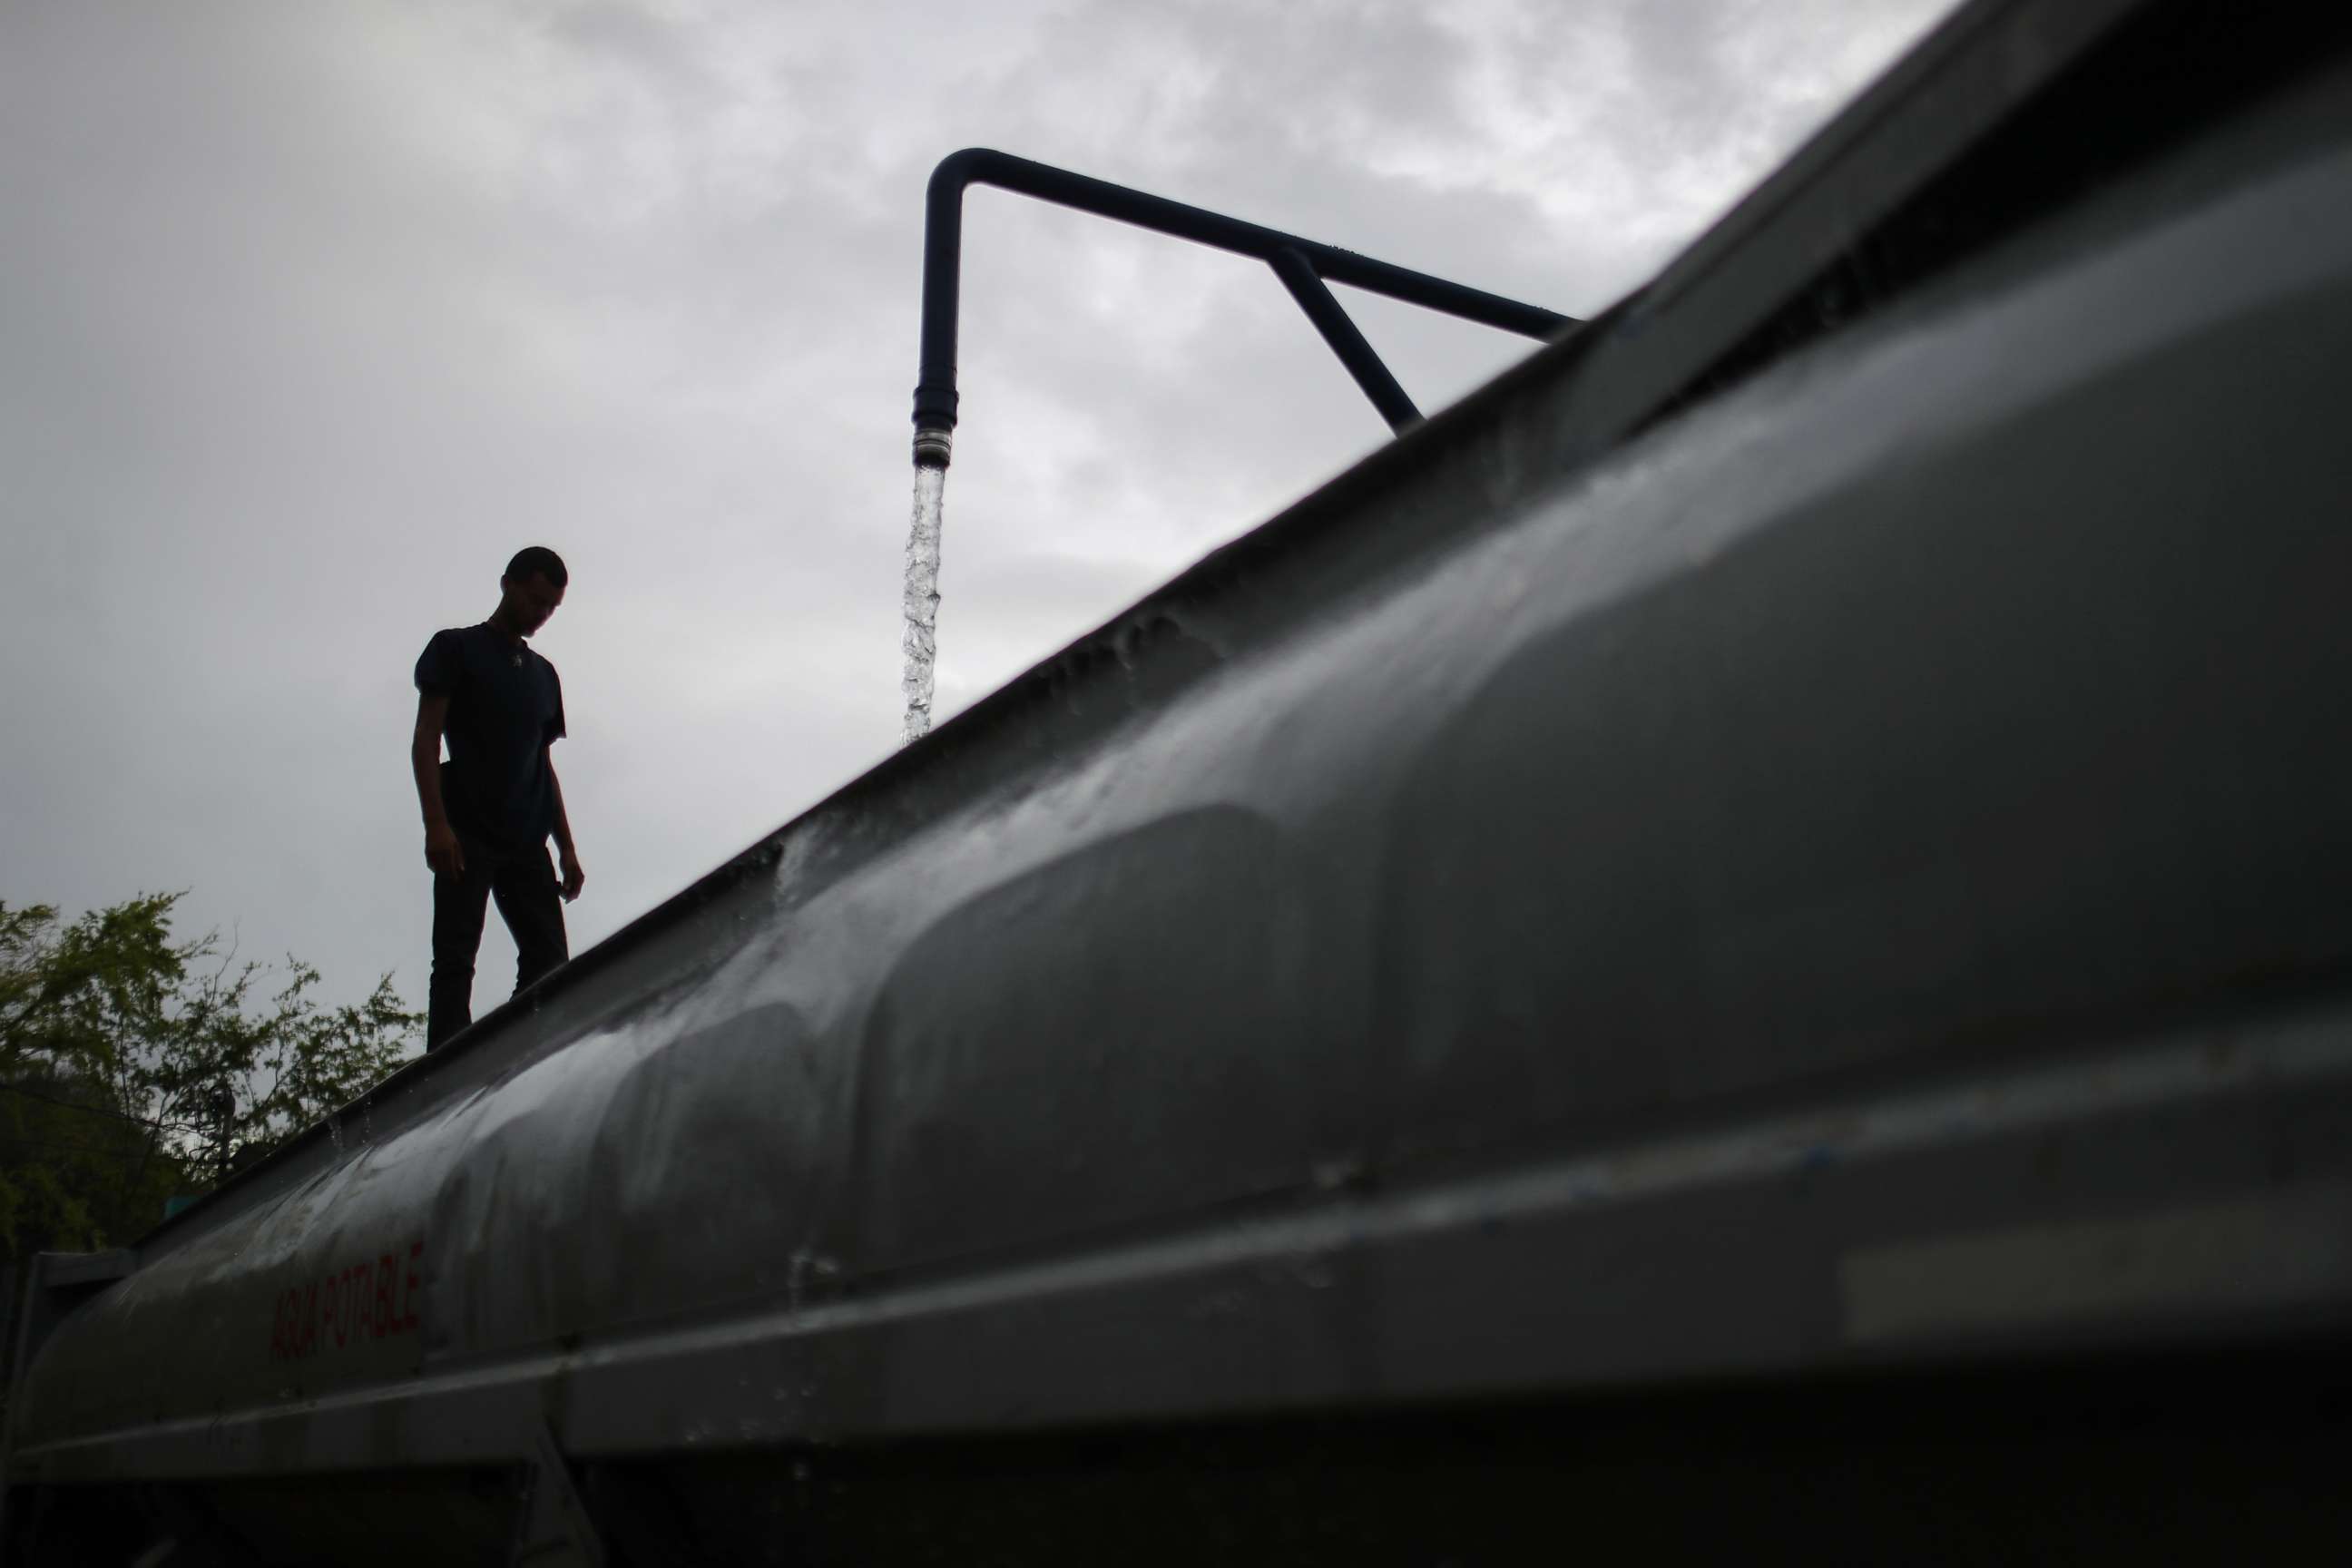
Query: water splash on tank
919	601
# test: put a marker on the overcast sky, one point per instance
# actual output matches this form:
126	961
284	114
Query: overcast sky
311	314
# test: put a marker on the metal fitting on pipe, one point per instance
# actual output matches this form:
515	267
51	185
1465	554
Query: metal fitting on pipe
931	447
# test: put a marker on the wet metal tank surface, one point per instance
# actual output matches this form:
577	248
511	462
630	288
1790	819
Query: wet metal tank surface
1593	919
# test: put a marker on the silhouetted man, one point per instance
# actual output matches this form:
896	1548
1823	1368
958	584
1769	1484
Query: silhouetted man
489	808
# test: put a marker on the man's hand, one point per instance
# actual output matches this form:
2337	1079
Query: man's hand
574	879
442	850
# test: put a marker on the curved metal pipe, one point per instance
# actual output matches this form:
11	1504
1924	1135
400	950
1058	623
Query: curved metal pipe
1305	266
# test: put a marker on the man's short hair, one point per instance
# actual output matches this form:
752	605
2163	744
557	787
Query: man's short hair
538	561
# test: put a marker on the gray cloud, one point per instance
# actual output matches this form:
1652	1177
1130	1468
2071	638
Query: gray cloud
309	315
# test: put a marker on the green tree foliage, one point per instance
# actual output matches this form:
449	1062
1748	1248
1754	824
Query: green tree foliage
134	1068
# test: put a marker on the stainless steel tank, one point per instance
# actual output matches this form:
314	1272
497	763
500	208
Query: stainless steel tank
1742	938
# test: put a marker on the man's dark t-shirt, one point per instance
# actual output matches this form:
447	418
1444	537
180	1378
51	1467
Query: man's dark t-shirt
506	707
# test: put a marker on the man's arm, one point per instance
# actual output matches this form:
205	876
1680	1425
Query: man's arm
574	879
442	851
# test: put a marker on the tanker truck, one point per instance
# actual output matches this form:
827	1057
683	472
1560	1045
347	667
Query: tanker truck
1739	943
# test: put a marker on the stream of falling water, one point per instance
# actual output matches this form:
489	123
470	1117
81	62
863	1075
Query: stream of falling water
919	601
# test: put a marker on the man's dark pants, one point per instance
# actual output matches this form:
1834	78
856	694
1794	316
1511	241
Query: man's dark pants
523	882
